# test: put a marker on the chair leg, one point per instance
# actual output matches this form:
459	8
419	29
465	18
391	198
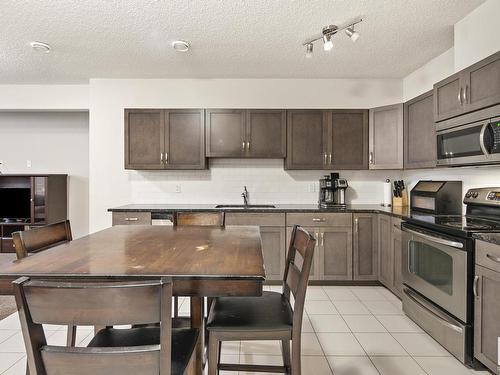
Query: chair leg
296	362
285	351
71	338
213	355
27	368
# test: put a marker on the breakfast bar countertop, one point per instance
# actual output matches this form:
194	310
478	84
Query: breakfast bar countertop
401	212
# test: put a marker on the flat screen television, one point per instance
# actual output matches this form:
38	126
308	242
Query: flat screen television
15	203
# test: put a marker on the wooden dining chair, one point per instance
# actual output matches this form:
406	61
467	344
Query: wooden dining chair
41	238
211	219
151	349
269	317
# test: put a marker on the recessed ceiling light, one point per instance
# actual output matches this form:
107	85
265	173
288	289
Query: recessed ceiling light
40	47
181	45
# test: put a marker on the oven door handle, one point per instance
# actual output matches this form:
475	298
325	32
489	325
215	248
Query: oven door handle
431	310
442	241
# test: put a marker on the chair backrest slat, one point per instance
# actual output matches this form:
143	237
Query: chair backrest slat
295	279
41	238
214	219
101	361
103	304
113	303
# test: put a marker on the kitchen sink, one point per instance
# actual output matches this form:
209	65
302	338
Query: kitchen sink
249	206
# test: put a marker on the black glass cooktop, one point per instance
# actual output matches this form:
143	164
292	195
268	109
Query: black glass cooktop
465	225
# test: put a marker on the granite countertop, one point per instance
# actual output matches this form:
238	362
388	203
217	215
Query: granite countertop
401	212
493	238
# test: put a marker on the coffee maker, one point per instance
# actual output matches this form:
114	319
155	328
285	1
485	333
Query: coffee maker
332	191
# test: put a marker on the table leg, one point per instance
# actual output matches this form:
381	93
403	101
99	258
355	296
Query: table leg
197	322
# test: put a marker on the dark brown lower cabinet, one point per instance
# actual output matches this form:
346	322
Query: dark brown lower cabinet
365	246
335	255
273	250
487	317
314	275
385	252
396	238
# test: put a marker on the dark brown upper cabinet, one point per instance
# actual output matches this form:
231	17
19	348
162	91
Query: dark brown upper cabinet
386	137
246	133
473	88
164	139
307	139
419	132
349	139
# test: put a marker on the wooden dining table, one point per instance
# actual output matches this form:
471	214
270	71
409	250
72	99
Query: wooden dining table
202	261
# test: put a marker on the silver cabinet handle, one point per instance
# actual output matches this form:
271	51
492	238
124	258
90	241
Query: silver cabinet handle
248	146
317	238
166	157
371	157
460	96
243	146
330	158
318	219
131	219
356	225
493	258
465	94
325	156
474	286
322	239
161	157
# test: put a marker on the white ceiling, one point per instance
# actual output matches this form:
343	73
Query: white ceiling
230	38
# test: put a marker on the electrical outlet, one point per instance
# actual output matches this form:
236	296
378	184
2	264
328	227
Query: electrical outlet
28	163
177	188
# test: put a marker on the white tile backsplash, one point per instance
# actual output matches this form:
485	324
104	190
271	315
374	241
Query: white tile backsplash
266	179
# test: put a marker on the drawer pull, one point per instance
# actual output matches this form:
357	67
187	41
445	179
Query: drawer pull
318	219
474	285
493	258
131	219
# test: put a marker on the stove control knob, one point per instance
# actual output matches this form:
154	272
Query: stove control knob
475	194
468	194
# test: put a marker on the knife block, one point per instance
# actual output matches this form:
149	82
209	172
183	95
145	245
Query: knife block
400	201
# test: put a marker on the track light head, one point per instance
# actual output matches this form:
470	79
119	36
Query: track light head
354	35
309	50
327	42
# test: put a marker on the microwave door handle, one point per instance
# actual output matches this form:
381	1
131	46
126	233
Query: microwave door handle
481	140
438	240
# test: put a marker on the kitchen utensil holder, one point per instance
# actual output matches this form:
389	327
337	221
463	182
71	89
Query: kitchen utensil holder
400	201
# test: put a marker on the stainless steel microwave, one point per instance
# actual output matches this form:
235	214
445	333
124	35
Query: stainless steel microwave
476	143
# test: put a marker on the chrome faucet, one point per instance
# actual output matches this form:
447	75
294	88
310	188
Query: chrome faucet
245	195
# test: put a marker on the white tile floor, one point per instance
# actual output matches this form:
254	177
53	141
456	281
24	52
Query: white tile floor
346	331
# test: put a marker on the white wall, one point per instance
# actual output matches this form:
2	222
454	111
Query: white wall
477	35
55	143
44	97
268	182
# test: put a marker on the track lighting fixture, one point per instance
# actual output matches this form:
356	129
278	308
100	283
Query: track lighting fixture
309	50
327	35
354	35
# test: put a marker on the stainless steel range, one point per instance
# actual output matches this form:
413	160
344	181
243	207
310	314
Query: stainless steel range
438	259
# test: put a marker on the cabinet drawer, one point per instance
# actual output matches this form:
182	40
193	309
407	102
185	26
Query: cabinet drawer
131	218
488	255
319	219
263	220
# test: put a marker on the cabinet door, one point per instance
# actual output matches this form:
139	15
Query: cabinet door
307	134
349	139
420	133
273	249
336	253
314	274
481	84
365	247
486	312
144	139
266	133
385	252
386	137
225	132
184	139
396	240
448	99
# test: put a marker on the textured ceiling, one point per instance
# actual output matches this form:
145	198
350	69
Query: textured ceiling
230	38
